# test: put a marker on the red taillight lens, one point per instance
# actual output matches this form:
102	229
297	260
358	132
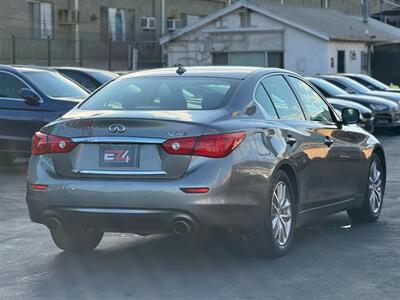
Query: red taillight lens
46	143
39	187
202	190
216	145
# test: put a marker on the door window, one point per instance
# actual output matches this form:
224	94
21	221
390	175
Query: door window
316	108
10	86
283	98
265	102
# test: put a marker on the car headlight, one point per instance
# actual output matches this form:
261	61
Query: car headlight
378	107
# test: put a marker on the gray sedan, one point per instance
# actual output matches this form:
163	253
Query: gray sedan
254	150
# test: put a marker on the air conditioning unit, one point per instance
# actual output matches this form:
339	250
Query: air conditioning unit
68	16
149	23
173	24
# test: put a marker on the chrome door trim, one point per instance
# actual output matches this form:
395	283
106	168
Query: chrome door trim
118	172
118	140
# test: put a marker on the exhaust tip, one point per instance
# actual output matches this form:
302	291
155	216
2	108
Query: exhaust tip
182	226
53	223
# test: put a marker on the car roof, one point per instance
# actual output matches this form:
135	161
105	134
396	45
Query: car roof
206	71
332	76
89	70
25	68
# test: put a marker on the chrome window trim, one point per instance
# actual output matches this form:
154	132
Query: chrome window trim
24	82
118	140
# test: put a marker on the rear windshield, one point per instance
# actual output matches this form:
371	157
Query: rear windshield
55	85
163	93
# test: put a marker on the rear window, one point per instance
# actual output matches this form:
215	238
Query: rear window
55	85
163	93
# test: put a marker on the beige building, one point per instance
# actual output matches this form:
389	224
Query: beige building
98	33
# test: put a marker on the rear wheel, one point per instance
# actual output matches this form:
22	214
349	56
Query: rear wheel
277	235
372	205
76	240
6	159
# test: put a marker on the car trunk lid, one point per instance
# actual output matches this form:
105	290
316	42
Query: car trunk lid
126	144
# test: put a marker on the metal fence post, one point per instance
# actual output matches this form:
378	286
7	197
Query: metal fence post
48	51
109	54
14	50
80	53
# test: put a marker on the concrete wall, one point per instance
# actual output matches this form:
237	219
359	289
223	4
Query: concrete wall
352	66
304	53
196	48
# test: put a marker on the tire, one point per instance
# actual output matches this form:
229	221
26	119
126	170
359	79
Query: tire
275	240
74	240
374	191
6	158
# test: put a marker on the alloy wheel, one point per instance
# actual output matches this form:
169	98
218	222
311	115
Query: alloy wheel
375	187
281	213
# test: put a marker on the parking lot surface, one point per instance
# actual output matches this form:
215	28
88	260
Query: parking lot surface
331	258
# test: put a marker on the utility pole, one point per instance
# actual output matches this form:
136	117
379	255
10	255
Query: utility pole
365	10
163	17
77	43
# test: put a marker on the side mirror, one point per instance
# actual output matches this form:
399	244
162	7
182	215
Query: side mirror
29	96
350	116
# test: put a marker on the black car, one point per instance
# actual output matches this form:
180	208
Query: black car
366	114
353	87
386	112
91	79
371	83
31	97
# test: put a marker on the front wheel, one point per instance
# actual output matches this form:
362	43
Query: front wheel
277	235
76	240
373	199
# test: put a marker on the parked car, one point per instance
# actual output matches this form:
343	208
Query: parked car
30	97
91	79
366	115
386	112
177	150
371	83
353	87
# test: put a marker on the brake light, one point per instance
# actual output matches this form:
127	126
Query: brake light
39	187
202	190
47	143
216	145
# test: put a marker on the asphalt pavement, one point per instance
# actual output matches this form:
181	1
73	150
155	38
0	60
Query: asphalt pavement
331	259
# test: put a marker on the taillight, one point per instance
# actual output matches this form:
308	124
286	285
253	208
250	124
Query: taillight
47	143
216	145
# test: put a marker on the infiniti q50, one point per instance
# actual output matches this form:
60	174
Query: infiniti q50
253	150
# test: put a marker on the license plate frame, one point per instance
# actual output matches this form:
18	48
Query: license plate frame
119	156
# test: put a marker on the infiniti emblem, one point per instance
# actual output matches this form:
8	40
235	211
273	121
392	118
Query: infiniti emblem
117	128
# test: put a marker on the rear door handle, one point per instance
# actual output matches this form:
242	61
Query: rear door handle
328	141
290	140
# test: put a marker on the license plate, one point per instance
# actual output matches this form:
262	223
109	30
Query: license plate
119	156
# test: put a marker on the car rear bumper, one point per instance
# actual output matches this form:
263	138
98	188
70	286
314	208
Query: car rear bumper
152	206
